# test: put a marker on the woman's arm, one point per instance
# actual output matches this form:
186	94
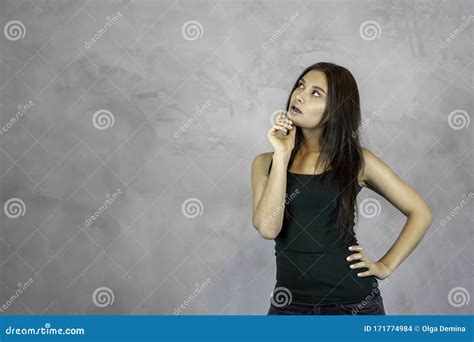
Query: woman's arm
381	179
269	193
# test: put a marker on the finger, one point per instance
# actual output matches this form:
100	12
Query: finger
287	127
282	126
281	116
355	248
277	128
354	256
364	274
358	265
286	124
284	121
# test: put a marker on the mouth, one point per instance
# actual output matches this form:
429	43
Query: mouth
296	110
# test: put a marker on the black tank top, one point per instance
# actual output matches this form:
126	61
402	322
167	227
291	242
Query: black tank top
310	257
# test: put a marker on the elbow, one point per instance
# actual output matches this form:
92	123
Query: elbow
428	215
425	216
429	218
263	230
255	223
267	235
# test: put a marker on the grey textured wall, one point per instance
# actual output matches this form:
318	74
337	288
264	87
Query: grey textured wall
146	116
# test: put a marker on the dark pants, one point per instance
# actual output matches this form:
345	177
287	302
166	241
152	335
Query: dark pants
373	306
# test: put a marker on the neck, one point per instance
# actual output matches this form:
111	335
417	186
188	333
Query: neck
311	140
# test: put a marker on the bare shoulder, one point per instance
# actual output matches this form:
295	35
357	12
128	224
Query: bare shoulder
369	160
376	172
261	162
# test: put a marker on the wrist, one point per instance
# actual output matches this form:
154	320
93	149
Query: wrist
387	265
281	156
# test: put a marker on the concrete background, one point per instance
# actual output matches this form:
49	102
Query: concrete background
159	112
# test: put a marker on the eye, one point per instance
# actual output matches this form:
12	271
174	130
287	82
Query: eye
315	91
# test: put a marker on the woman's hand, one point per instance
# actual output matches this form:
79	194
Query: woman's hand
278	137
378	269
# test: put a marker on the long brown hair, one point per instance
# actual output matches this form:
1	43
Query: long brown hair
340	146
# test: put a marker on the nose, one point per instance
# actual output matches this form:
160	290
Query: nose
299	99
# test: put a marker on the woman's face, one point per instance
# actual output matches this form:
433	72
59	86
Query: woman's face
310	96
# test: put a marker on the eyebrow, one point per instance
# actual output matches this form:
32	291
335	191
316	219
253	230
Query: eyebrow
314	87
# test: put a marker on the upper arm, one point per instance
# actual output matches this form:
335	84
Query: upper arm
259	177
380	178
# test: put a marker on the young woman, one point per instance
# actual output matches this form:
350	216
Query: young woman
304	196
